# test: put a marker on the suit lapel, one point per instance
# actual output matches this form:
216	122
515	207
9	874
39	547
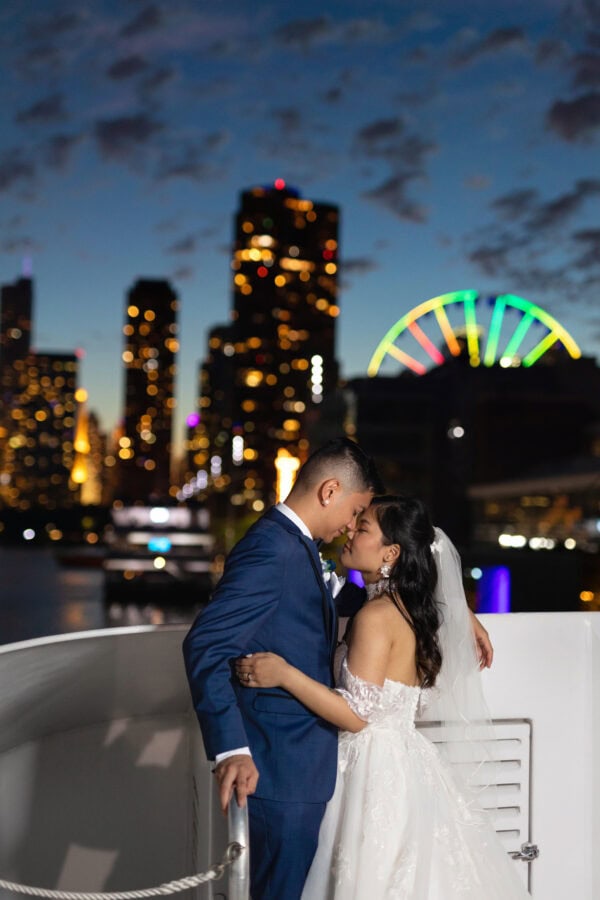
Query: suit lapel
328	606
329	615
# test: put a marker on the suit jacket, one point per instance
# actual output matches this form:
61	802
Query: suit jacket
271	597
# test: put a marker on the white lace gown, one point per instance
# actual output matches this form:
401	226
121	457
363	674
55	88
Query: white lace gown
397	825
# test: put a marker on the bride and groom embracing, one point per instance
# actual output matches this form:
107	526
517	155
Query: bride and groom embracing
377	814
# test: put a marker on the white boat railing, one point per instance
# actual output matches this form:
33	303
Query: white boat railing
105	785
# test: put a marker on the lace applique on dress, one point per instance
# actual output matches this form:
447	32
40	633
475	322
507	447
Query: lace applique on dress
398	827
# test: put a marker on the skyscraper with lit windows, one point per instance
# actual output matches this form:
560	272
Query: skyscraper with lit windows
16	302
37	431
267	372
150	346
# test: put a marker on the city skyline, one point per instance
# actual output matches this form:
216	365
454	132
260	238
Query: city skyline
460	147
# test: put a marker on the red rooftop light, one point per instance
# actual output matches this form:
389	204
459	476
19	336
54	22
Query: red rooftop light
279	184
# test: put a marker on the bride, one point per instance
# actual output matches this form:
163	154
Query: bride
401	823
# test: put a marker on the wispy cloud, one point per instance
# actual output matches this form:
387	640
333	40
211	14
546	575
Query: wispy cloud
496	41
577	119
122	137
49	109
15	168
127	67
146	20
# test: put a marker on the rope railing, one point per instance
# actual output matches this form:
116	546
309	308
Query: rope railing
235	858
232	853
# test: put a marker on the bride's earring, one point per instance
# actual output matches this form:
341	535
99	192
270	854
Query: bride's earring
384	570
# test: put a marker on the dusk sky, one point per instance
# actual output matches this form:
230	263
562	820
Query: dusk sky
460	140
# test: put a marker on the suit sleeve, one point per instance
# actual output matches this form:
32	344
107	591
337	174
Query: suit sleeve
245	598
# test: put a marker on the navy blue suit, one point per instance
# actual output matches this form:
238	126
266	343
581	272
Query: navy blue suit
271	597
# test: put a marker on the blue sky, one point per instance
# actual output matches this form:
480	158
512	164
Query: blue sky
460	141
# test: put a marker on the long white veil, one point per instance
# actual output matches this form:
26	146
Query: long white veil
457	701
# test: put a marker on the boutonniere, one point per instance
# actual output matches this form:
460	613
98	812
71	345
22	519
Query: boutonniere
327	565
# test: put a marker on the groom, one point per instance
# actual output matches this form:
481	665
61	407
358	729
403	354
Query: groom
272	596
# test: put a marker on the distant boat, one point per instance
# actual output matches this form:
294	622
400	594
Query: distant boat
160	550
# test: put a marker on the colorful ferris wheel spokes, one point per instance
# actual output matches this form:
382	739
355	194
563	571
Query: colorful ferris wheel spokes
504	329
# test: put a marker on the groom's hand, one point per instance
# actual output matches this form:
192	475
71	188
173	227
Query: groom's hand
237	772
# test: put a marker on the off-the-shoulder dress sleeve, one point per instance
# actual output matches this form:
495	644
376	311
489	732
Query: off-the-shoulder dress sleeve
363	697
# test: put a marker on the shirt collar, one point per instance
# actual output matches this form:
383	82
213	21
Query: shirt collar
293	517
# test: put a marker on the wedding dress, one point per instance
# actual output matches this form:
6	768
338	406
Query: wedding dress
398	827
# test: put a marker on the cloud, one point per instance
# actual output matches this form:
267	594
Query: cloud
497	41
58	149
304	33
20	244
586	68
157	79
550	50
288	118
530	248
589	239
524	206
516	204
391	195
127	67
371	136
183	273
48	109
575	120
332	95
358	265
148	19
43	28
14	222
491	260
39	58
405	155
193	160
185	245
386	139
122	137
556	212
15	168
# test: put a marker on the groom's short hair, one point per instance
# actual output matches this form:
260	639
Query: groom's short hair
343	459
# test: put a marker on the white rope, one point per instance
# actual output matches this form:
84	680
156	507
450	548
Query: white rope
232	853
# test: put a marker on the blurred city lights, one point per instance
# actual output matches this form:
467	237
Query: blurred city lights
159	515
514	541
286	466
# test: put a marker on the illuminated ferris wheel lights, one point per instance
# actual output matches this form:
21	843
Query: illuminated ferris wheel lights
468	335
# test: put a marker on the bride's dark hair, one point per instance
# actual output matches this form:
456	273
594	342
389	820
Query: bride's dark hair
405	521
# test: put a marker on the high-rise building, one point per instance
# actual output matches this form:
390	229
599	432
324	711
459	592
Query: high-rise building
267	373
150	330
37	431
16	301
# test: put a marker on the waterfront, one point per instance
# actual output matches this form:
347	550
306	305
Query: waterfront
40	597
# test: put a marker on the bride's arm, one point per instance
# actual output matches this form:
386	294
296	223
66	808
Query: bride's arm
367	659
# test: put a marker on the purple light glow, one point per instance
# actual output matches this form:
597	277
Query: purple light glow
355	577
192	420
493	593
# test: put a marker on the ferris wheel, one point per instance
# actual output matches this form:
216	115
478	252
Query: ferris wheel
503	329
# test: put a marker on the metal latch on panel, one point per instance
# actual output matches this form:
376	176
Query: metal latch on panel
527	853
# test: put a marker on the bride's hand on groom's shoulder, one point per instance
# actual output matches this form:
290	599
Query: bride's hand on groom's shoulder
261	670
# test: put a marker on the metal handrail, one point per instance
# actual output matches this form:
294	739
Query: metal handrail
238	833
